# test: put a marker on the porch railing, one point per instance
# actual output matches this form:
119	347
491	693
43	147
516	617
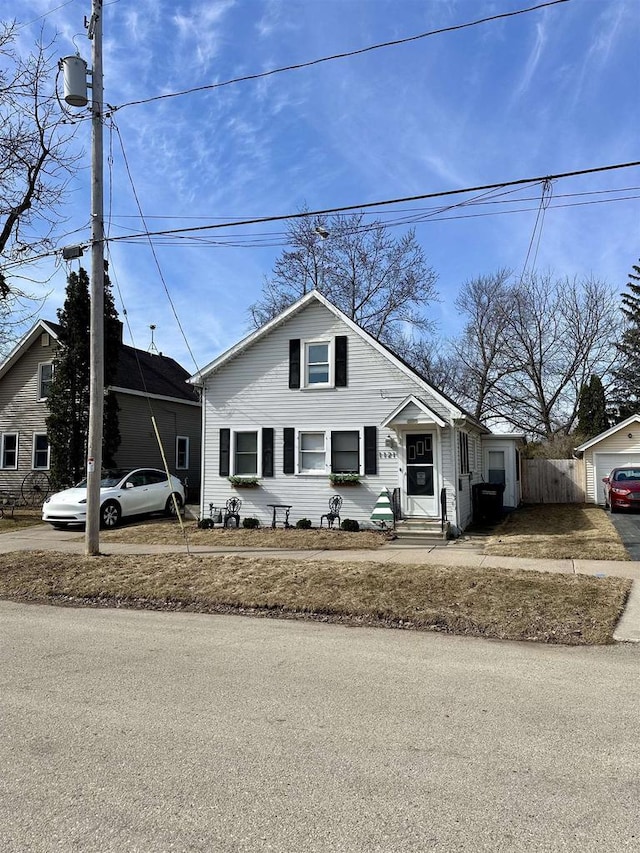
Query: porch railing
395	506
443	508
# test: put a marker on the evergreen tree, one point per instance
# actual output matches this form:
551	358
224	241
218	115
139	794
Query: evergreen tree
627	373
592	409
68	420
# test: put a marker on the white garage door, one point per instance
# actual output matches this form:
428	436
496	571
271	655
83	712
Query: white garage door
605	462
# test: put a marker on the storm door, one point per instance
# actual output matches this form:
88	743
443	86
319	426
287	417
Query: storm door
420	474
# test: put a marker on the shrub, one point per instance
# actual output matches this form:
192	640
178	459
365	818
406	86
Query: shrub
205	523
350	525
303	523
250	523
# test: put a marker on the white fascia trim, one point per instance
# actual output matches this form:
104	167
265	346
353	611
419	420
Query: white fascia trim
632	419
423	408
25	342
119	390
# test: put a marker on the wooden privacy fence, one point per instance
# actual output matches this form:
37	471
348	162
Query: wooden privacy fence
553	481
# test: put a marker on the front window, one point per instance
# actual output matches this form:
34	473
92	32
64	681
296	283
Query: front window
40	452
317	363
311	447
10	450
182	452
45	377
245	454
345	452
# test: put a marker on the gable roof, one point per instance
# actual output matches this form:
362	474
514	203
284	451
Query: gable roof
632	419
138	372
314	295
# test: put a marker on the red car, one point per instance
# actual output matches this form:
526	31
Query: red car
622	489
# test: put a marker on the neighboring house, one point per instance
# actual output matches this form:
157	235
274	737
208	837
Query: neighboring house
311	394
145	384
619	445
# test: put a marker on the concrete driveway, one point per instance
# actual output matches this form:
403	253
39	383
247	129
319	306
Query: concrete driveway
141	731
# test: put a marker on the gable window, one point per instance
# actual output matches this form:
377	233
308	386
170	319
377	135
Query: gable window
40	459
311	453
317	364
345	452
463	450
245	453
45	377
10	450
182	452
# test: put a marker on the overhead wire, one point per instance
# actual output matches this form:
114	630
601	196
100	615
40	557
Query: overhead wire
336	56
374	204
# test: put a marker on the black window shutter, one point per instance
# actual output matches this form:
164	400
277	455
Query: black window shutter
294	363
225	444
267	452
341	361
370	450
289	463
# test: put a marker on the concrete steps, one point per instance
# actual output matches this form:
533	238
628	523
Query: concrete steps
421	531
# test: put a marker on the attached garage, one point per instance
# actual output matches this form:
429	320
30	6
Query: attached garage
619	445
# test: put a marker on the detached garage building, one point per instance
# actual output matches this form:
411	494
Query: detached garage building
617	446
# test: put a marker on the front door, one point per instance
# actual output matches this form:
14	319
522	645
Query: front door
420	475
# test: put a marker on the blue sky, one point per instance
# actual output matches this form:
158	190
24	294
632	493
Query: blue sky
554	90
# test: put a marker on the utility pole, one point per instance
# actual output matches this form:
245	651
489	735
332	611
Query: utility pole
96	352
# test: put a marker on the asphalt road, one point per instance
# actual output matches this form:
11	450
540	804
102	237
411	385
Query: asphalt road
133	731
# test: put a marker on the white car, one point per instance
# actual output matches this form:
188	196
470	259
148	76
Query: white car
122	493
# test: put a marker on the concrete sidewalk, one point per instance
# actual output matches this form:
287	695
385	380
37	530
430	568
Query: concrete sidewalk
44	538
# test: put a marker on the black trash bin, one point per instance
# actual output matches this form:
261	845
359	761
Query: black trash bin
487	501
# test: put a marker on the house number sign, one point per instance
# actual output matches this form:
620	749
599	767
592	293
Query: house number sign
387	454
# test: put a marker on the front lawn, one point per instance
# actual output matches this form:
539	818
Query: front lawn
559	532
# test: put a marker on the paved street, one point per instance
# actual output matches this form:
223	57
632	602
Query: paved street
139	731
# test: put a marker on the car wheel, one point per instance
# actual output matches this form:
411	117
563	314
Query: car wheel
170	506
110	514
614	508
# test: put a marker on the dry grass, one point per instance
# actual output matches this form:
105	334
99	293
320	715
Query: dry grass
497	603
167	532
557	531
22	517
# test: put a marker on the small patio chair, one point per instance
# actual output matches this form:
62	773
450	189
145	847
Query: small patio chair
232	510
334	511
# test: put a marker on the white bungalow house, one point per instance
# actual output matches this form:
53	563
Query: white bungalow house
311	398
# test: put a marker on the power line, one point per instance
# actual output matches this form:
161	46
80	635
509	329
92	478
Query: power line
335	56
386	202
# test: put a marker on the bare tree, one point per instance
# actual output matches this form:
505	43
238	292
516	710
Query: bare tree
35	164
530	346
382	283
